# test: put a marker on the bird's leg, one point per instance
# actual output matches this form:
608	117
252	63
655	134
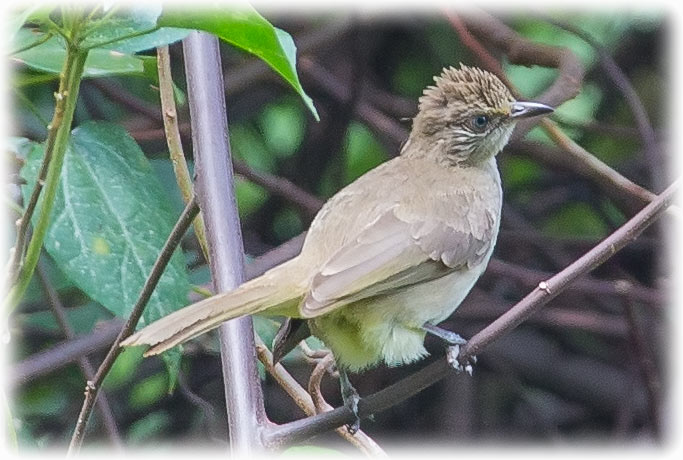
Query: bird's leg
351	398
450	337
453	349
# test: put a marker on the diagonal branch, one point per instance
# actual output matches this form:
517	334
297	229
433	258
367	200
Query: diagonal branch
621	81
93	386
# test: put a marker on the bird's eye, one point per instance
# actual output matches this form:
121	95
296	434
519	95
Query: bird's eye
480	122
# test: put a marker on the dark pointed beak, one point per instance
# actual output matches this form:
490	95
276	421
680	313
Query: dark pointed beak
520	110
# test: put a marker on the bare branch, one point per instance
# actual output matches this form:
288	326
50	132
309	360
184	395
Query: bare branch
174	142
206	95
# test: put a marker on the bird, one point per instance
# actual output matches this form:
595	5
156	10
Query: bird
392	254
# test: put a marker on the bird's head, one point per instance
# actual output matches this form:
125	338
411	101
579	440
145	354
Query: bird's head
469	115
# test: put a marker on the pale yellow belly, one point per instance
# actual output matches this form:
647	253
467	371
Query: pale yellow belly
388	328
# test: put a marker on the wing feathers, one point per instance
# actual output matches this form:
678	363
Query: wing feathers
393	252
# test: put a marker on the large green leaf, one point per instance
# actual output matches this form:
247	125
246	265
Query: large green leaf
109	222
49	57
132	30
244	28
112	59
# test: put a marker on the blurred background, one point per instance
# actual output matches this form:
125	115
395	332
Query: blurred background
591	365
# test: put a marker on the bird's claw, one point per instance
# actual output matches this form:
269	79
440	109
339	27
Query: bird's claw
452	354
351	401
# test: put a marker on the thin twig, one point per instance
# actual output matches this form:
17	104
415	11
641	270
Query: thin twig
83	362
118	94
307	202
174	141
587	285
63	354
307	404
322	366
92	387
621	81
385	127
549	289
303	429
256	70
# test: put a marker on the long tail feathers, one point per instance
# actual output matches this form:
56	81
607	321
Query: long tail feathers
196	319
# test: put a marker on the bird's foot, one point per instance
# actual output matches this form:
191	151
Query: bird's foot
452	354
351	399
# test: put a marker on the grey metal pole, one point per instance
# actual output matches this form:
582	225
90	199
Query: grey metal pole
214	188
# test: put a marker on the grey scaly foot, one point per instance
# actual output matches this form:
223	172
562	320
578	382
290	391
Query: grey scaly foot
351	399
453	350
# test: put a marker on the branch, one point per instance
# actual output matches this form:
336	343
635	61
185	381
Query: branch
621	81
586	285
206	96
256	70
305	402
547	290
20	272
93	386
302	429
83	362
119	94
174	141
382	125
63	354
307	202
647	366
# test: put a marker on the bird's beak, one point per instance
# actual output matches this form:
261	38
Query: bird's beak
520	110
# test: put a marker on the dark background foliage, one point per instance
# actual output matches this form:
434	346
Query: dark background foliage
590	365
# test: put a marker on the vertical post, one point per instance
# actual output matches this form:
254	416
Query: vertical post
214	188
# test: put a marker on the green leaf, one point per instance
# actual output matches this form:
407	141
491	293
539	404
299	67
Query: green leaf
15	22
121	25
110	221
49	57
244	28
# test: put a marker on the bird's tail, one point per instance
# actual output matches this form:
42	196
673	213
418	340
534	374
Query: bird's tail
266	292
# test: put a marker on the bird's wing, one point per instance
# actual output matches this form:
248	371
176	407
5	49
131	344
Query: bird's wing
394	251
